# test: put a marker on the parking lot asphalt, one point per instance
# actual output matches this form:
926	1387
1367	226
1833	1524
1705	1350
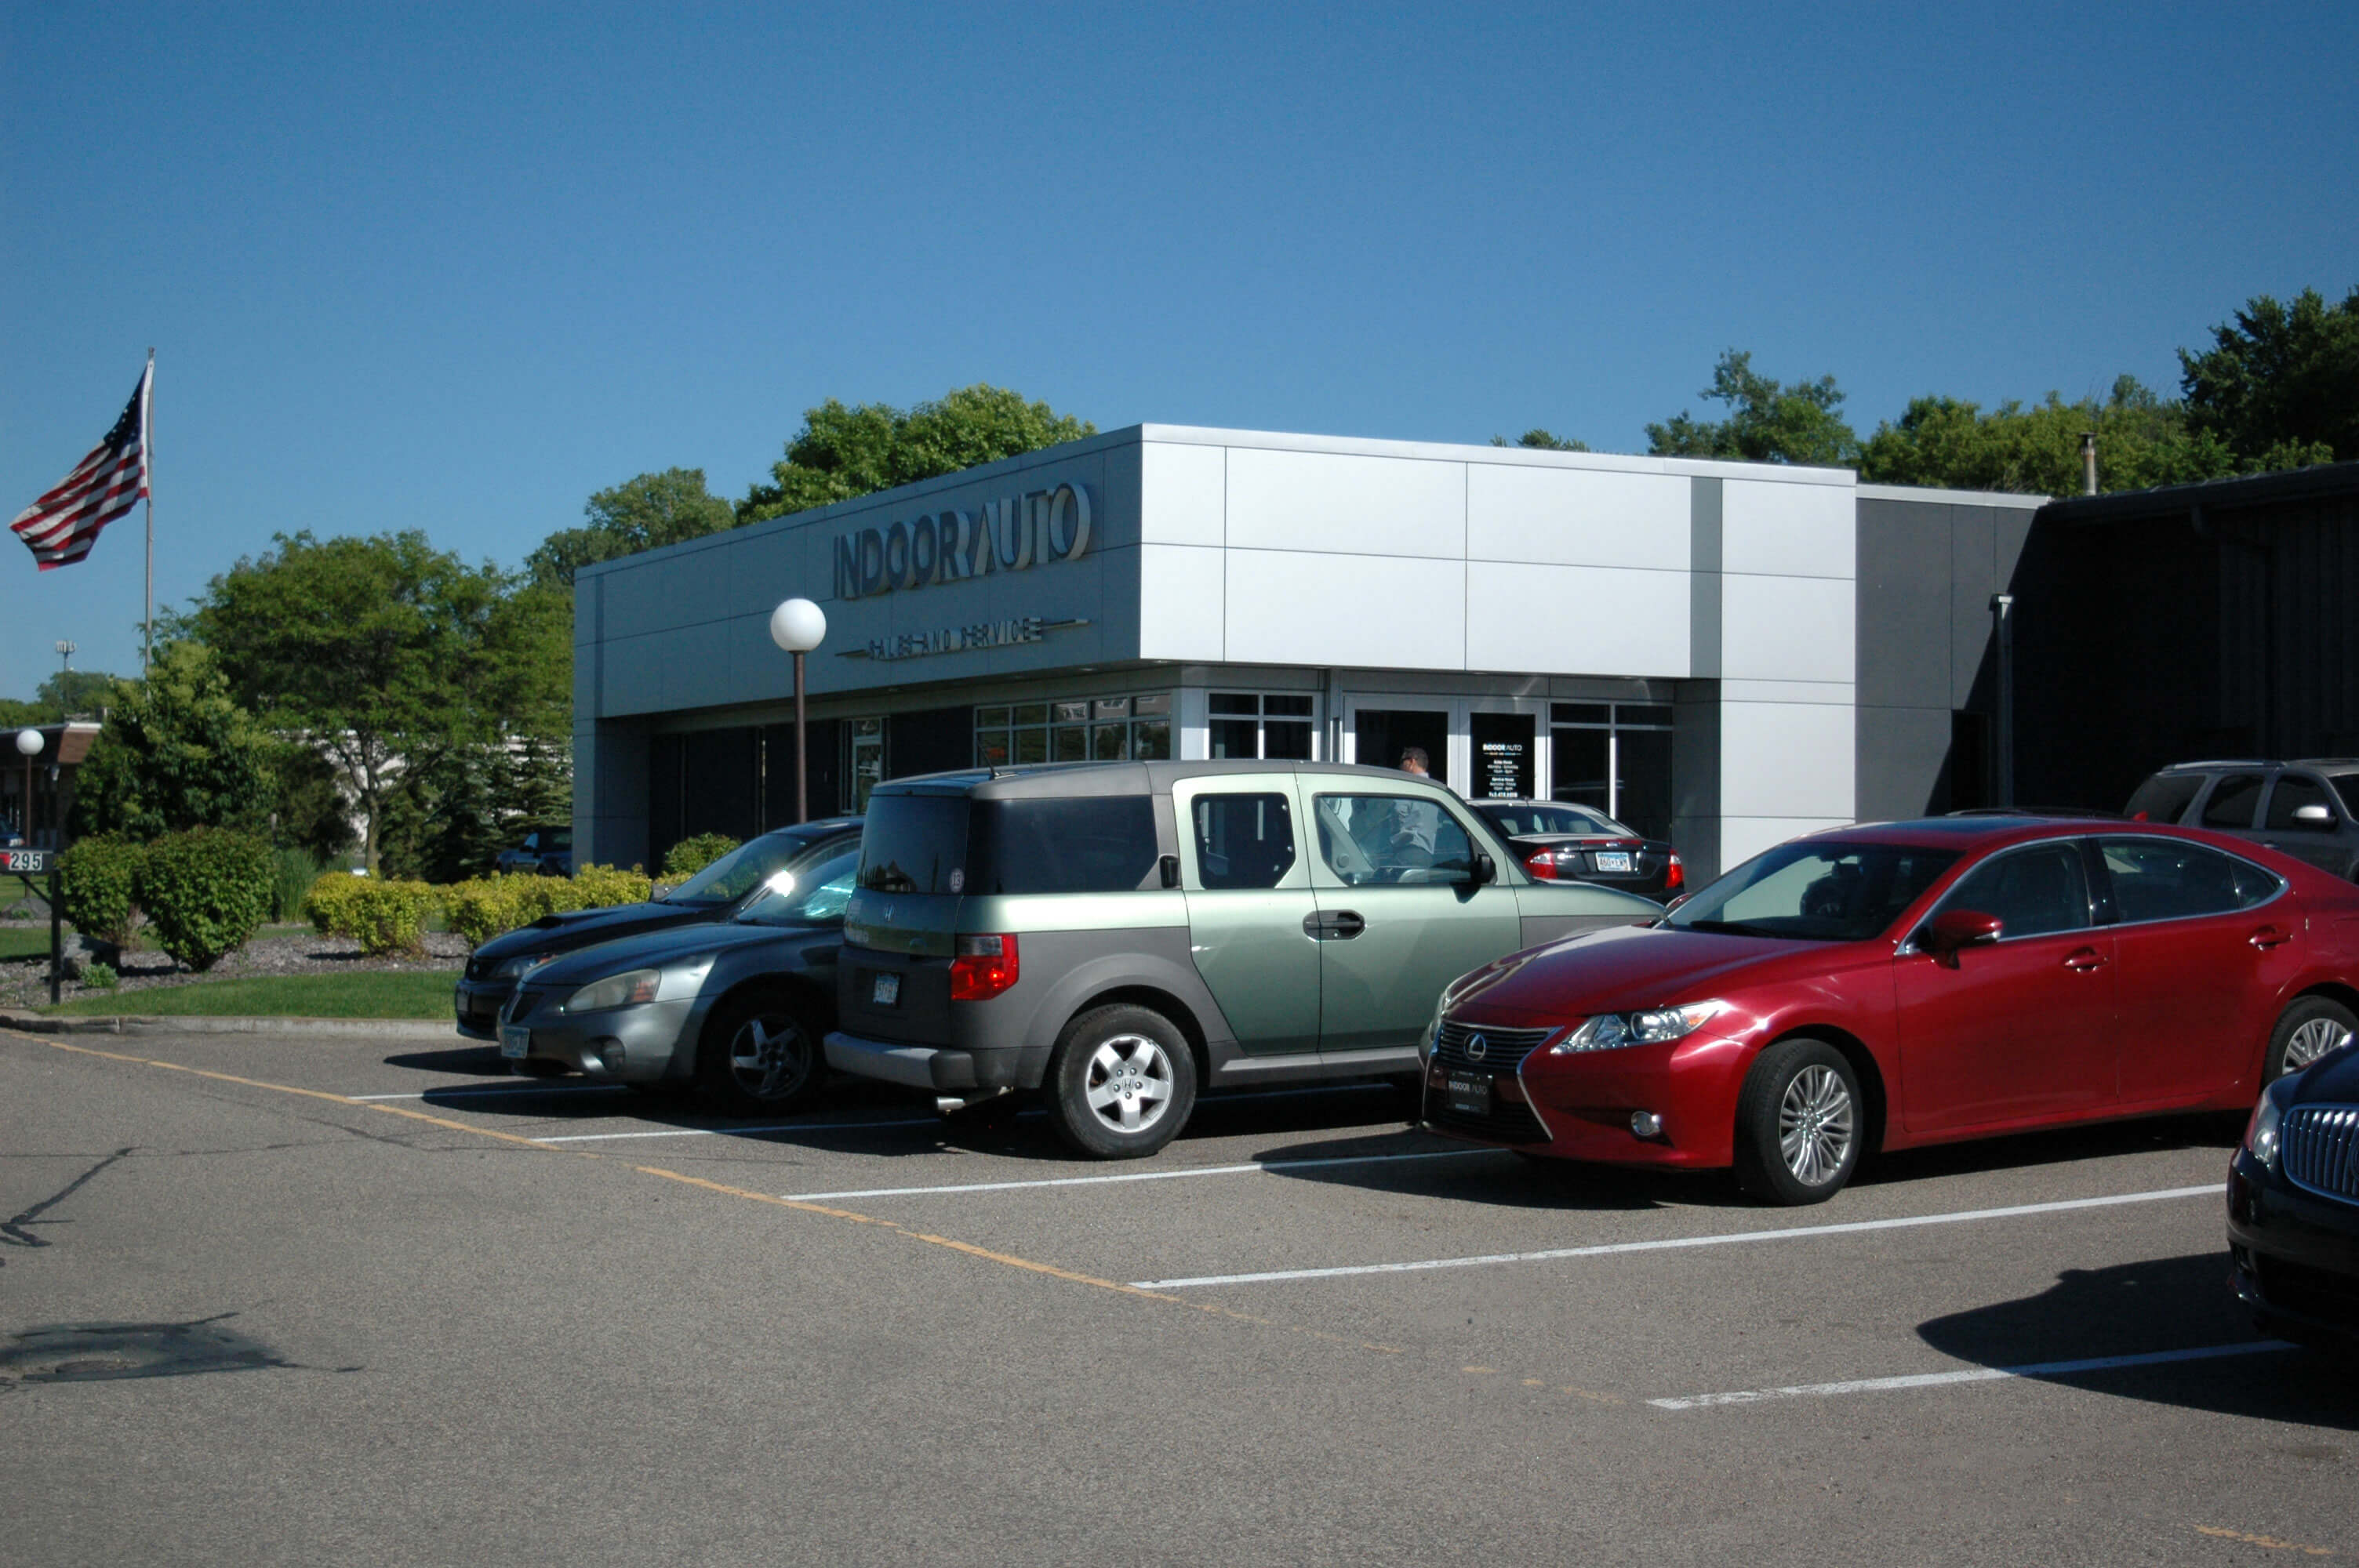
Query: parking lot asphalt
278	1299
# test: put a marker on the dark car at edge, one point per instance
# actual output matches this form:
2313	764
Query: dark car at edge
718	893
2293	1201
1558	841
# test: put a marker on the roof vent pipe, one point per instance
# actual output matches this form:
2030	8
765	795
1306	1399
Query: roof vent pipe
2088	462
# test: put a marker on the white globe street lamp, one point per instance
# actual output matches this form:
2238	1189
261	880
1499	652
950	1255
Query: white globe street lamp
28	741
798	626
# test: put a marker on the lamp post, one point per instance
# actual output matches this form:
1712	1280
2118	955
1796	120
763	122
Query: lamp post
28	741
798	626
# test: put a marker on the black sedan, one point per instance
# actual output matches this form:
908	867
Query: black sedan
2293	1203
720	891
1559	842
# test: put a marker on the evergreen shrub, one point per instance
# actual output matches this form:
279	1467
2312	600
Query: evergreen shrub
98	887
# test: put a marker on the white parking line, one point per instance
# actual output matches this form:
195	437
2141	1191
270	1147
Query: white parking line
504	1089
1968	1375
1137	1175
1791	1233
721	1131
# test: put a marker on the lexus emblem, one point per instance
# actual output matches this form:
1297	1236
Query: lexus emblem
1478	1048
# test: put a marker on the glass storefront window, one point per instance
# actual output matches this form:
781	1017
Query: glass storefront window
1615	757
1260	724
1102	729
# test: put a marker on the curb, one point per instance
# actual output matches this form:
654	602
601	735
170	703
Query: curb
373	1028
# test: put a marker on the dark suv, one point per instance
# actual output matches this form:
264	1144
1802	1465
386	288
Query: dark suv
2309	809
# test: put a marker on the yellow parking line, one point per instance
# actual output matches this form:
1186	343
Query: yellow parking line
1006	1259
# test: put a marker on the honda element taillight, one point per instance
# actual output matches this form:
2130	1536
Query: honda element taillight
984	967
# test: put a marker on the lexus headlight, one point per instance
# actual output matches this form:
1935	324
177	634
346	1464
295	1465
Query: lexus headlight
511	967
1611	1031
626	989
2261	1135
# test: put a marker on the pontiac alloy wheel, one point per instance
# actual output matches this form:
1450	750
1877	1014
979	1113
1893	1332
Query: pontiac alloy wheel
769	1056
1814	1125
758	1058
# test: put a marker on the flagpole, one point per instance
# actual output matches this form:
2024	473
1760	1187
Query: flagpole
147	455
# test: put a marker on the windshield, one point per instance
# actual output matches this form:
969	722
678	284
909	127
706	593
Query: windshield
1808	892
818	896
1524	821
740	871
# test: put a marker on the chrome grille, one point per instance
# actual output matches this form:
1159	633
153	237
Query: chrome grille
1502	1048
2321	1149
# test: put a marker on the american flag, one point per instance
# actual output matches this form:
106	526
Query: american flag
61	527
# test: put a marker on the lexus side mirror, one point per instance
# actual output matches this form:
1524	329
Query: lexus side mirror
1954	929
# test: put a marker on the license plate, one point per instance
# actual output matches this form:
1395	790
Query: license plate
514	1042
886	993
1470	1093
1612	859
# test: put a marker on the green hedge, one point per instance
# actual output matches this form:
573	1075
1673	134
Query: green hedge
205	891
690	856
98	887
478	909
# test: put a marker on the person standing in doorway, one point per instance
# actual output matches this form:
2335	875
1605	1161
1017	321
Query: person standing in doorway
1415	822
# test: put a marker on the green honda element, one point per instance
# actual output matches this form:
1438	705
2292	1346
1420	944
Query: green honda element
1117	935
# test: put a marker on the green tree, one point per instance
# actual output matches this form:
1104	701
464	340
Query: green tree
383	652
2279	387
76	692
1541	440
1946	442
178	752
843	452
1768	421
642	514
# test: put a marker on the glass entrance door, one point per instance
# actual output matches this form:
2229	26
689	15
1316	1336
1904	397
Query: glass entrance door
867	770
1379	736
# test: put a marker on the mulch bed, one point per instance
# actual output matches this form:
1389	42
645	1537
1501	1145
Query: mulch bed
25	982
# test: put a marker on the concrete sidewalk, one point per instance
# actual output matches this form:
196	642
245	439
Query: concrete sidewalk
377	1028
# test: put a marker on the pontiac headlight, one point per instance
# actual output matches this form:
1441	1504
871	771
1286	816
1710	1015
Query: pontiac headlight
1612	1031
627	990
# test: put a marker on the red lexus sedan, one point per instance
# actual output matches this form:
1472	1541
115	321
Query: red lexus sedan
1908	983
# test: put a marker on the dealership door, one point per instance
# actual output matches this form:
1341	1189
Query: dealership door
1380	734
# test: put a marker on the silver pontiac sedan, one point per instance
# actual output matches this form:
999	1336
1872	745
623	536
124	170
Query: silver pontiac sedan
737	1007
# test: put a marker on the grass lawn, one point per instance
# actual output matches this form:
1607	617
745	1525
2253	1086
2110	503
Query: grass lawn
413	994
27	942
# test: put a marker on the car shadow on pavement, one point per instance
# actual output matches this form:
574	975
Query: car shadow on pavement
1465	1172
2151	1308
2105	1140
482	1061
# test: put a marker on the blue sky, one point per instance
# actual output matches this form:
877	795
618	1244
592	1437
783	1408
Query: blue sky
453	268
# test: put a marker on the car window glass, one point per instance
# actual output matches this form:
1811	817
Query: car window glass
1524	820
1367	838
740	871
2033	892
2293	791
914	843
820	891
2347	786
2156	879
1242	841
1816	892
2234	800
1088	844
2164	798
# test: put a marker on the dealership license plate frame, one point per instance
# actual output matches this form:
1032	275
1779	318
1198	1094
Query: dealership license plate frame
1614	860
1469	1093
516	1041
885	990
